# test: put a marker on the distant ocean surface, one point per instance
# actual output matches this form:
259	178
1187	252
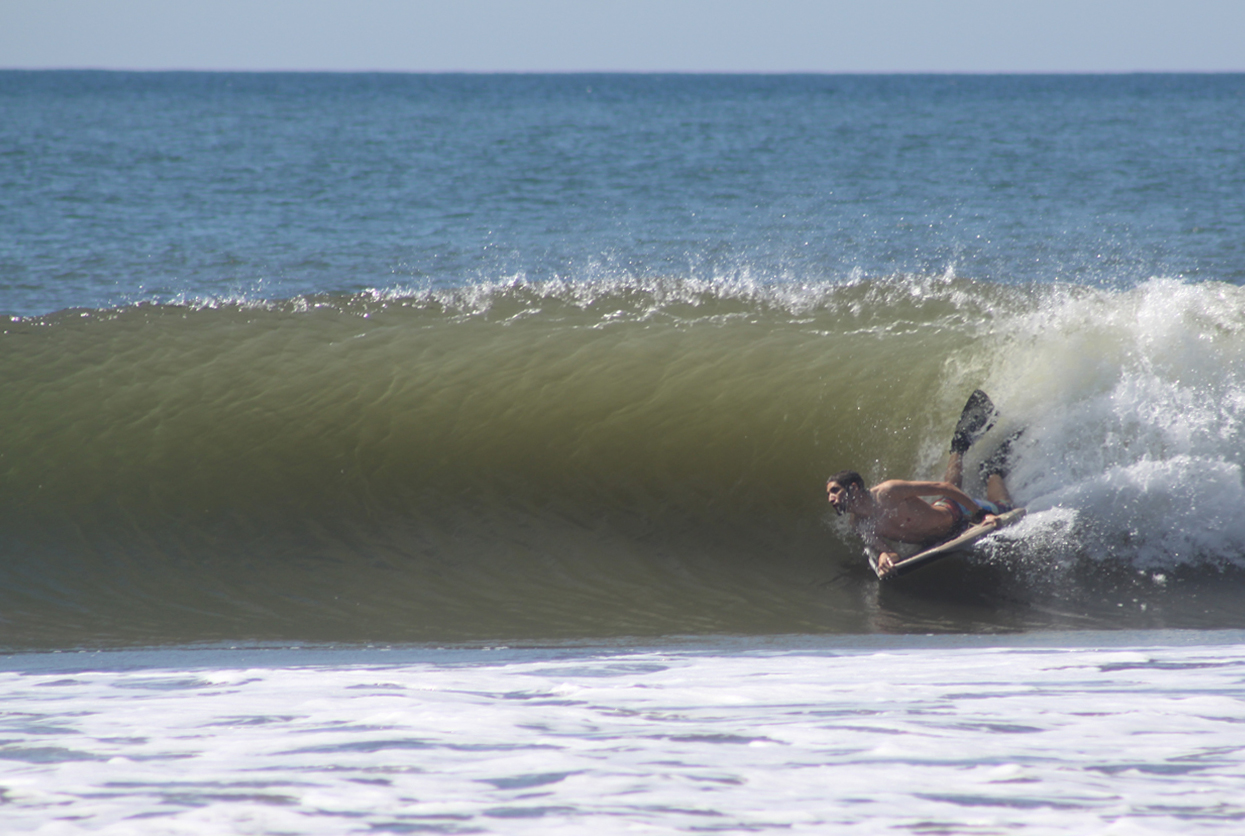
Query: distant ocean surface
560	363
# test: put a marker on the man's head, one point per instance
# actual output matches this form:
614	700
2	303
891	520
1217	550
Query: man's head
842	489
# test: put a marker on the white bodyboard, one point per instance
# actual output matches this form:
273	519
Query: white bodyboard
959	543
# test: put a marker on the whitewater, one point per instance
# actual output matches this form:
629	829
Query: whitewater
926	737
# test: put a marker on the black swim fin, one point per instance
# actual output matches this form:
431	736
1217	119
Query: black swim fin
1000	461
975	421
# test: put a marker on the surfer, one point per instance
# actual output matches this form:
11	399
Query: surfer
897	509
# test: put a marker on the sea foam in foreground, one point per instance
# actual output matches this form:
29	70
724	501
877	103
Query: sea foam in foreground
924	738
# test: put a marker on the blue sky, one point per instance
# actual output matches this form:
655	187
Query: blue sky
627	35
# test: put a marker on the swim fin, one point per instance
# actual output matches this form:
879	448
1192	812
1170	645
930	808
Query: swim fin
1000	461
975	421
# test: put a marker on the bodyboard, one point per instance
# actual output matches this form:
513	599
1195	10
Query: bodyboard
956	544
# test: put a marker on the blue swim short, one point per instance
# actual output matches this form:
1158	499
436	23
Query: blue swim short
964	517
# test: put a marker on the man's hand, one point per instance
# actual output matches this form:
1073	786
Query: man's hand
984	517
886	564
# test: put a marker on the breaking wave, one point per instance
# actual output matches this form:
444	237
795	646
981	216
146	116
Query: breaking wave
594	458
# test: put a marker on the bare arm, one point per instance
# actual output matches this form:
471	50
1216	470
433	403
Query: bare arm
886	556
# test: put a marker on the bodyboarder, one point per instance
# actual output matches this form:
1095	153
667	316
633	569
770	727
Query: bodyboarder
897	510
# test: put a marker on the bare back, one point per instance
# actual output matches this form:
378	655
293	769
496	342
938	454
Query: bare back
900	514
914	520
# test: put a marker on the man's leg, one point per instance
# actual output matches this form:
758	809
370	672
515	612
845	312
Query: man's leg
996	491
996	468
996	488
955	470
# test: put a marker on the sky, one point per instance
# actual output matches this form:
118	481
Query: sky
864	36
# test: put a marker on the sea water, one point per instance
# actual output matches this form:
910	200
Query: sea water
509	401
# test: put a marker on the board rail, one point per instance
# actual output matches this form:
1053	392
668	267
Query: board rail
959	543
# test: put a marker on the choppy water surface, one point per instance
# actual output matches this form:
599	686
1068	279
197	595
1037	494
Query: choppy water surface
122	187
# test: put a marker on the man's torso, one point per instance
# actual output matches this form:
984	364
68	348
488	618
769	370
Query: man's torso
913	520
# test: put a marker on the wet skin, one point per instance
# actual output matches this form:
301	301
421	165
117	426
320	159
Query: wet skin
894	510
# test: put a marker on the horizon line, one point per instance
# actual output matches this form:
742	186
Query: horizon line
390	71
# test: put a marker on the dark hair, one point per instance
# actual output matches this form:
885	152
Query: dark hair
847	478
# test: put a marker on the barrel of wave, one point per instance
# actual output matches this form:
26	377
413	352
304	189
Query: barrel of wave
708	406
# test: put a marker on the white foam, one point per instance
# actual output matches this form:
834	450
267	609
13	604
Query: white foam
1133	405
1052	740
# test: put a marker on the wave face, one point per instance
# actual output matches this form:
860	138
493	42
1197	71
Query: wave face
567	460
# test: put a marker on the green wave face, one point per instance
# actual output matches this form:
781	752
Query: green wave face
556	460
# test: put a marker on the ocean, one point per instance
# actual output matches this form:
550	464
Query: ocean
445	453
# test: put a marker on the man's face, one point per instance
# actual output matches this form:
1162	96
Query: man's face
839	496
